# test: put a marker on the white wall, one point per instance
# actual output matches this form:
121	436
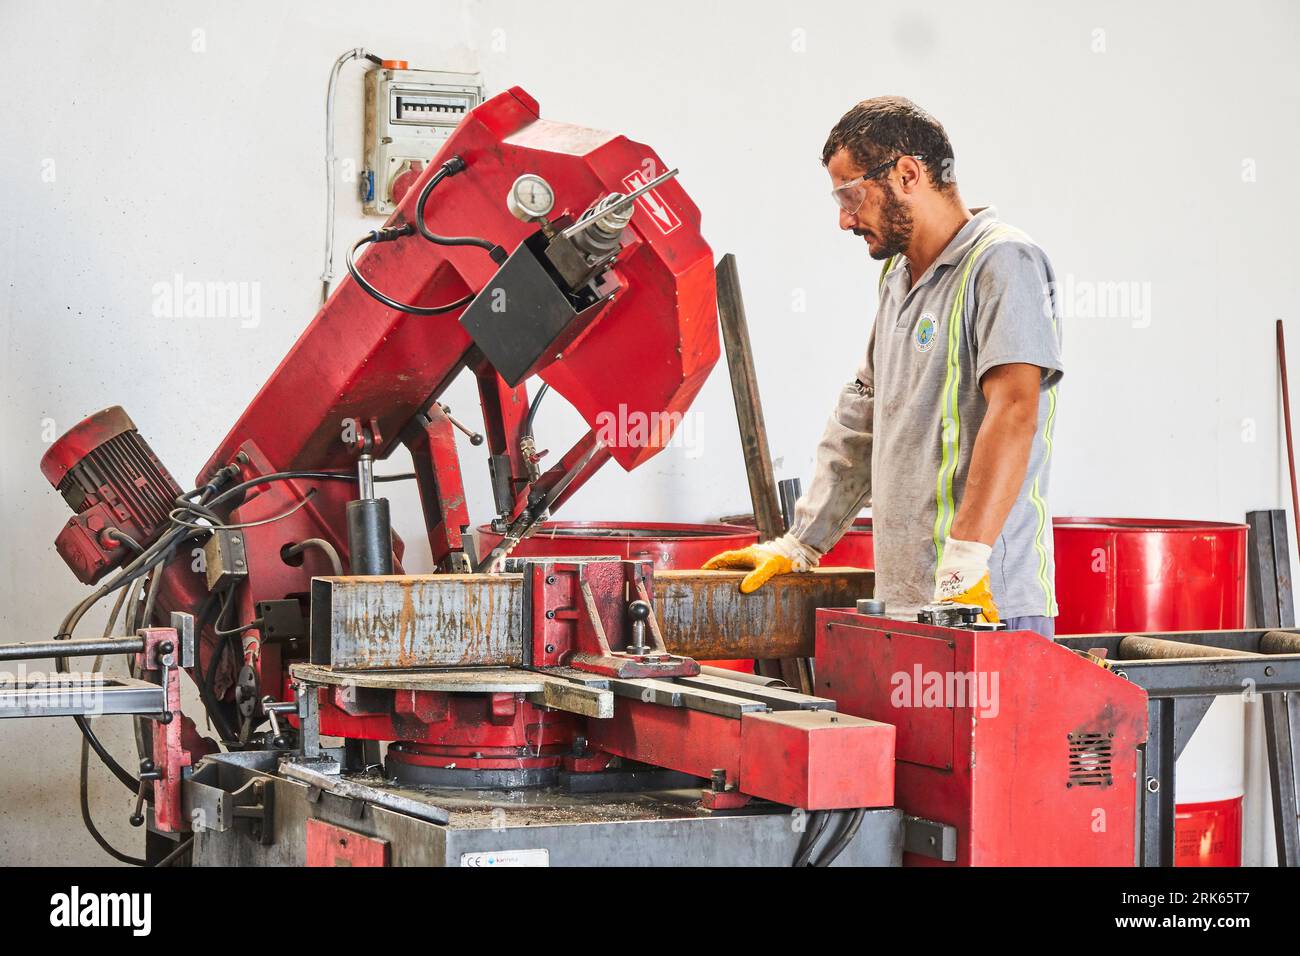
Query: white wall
1115	134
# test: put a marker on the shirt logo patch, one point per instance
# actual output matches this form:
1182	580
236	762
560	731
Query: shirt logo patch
926	332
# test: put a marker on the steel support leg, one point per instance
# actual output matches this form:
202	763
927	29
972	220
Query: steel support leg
1158	784
1281	776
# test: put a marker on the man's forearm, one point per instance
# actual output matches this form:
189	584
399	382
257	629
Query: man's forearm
841	482
997	469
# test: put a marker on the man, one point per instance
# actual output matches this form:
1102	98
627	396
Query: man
946	431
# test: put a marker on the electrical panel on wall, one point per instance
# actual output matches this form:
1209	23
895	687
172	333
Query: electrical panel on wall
409	113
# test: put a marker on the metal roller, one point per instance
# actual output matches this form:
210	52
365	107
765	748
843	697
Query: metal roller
1280	642
1136	648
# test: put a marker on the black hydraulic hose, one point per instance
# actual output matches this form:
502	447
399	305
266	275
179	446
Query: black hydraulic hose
450	168
88	820
155	555
532	408
234	490
177	853
842	841
149	559
83	780
812	834
128	781
204	678
388	235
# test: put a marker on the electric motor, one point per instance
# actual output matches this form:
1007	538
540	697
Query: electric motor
120	491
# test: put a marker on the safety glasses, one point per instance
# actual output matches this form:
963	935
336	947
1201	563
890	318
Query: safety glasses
851	195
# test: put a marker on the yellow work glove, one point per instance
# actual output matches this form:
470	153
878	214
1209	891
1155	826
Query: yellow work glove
778	556
963	577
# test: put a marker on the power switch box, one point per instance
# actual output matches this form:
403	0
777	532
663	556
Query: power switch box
409	115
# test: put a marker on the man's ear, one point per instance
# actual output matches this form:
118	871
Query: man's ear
910	173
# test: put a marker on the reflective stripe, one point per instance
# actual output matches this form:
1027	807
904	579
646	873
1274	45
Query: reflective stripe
1040	506
889	267
944	508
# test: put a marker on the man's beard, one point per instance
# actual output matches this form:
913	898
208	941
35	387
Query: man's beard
895	232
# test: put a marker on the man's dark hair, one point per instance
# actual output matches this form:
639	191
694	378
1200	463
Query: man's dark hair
878	129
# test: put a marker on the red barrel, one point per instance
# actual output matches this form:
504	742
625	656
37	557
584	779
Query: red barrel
1142	574
1208	834
1138	574
672	546
1126	574
854	550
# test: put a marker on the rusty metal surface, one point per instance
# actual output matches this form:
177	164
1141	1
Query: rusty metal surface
443	620
1137	648
1280	642
704	615
476	620
480	680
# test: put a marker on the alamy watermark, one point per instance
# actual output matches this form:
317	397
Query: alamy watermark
1127	300
180	298
82	692
626	428
918	687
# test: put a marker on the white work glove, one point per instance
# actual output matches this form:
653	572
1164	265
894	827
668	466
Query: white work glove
963	577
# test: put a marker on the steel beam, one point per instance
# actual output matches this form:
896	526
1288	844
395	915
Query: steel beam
477	620
80	696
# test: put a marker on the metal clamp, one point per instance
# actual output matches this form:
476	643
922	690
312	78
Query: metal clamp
930	838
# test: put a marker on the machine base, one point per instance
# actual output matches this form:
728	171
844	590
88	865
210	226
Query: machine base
542	828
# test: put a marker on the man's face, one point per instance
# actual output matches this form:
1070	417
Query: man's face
884	220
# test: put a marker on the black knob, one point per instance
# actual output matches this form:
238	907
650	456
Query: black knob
638	611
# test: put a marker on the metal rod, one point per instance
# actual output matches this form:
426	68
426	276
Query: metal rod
474	437
790	490
1152	648
534	513
37	650
1286	415
366	476
753	437
1280	642
582	224
749	407
758	680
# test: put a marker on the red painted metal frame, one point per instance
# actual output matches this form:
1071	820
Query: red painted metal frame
580	619
649	350
330	845
994	736
495	724
833	766
170	754
505	411
442	490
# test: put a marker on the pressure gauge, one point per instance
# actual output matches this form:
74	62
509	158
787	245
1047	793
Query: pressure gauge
531	197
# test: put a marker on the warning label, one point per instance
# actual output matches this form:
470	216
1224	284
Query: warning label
539	857
661	214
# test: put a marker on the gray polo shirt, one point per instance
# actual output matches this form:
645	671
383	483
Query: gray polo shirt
916	407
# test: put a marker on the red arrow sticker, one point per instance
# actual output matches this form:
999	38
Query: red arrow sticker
660	213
